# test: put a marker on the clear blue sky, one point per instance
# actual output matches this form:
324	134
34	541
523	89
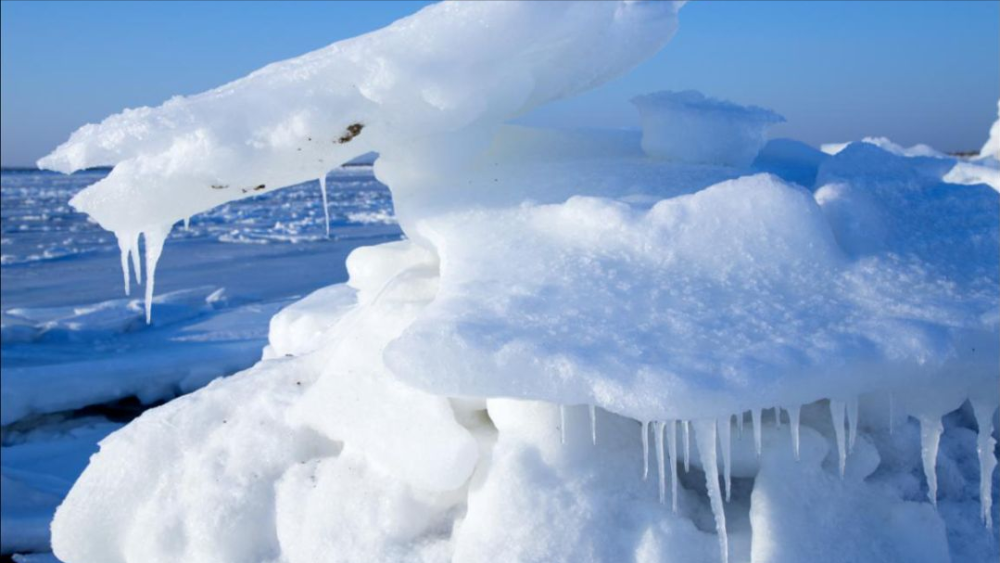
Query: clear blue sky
912	71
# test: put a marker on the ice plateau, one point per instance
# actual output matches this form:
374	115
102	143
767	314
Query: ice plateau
474	392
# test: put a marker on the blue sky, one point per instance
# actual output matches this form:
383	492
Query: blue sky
912	71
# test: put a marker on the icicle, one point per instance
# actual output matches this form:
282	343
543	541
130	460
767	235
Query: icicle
777	417
593	424
793	422
705	433
562	424
892	413
726	442
326	208
645	449
837	414
154	239
852	421
672	449
125	248
658	435
187	223
930	438
755	415
739	424
136	264
985	444
687	445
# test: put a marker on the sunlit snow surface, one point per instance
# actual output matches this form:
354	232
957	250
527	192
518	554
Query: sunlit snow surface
477	390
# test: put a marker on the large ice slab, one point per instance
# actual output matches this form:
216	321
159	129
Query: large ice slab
691	127
735	296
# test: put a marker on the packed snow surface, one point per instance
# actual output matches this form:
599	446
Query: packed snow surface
474	392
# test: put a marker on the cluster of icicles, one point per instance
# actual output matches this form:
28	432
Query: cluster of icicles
708	433
153	238
712	433
128	244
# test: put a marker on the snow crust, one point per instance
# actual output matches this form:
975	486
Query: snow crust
483	389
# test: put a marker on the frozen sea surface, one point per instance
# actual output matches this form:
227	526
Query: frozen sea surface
77	356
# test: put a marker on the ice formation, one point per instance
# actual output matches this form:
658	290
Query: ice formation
645	449
991	149
445	403
661	468
705	432
983	169
689	127
672	450
930	438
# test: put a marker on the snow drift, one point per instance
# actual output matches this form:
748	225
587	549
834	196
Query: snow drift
486	388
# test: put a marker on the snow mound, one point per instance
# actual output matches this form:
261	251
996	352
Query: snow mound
690	127
888	146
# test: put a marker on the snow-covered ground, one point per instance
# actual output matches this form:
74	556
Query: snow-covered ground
674	344
78	358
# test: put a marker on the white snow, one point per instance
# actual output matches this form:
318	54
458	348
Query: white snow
473	391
